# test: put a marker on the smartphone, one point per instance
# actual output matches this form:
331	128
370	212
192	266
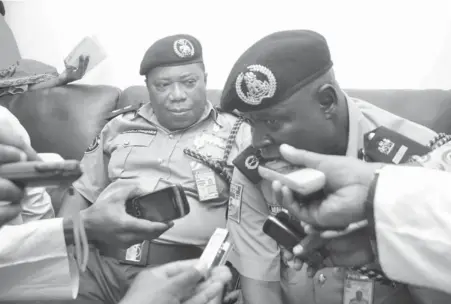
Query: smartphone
42	173
163	205
284	235
292	223
304	181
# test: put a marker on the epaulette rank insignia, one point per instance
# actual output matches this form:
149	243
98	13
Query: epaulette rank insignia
126	109
247	162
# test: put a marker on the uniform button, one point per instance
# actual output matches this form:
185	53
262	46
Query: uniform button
171	136
126	143
160	160
321	279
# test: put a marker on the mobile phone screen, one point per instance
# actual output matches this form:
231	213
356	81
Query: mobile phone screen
160	206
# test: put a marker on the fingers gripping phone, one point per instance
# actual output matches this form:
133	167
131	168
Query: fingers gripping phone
284	230
163	205
42	173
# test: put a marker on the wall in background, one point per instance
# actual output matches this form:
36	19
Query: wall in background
374	44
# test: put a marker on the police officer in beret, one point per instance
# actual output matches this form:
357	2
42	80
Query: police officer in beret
284	84
177	138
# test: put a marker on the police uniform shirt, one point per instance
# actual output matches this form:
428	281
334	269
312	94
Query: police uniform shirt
256	255
134	153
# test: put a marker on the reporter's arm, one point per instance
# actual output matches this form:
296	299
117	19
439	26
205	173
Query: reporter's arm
34	259
412	214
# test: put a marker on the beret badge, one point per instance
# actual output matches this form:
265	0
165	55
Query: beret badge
256	84
183	48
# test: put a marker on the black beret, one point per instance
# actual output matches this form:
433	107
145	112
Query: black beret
274	68
170	51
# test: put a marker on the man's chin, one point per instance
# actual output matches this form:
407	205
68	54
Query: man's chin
270	154
267	159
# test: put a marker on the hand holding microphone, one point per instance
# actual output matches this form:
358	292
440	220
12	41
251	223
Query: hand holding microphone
345	182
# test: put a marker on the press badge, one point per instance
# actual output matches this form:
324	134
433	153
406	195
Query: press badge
235	199
358	289
205	179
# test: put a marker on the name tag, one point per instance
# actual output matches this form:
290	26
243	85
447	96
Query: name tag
235	201
358	289
205	180
149	132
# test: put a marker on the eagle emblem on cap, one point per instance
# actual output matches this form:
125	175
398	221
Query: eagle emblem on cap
183	48
259	83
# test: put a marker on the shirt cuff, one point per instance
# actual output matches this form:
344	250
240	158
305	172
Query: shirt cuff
411	210
34	258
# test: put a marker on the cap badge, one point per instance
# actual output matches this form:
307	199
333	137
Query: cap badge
259	83
183	48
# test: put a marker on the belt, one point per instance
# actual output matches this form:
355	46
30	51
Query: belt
150	253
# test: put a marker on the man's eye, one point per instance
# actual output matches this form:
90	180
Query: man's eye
271	121
162	85
190	82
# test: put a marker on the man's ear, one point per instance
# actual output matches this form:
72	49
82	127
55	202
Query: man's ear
328	99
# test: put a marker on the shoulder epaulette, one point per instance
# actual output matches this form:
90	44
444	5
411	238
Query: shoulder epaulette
126	109
220	110
234	113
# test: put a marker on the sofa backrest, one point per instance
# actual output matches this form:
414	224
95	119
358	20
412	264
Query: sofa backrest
431	108
63	120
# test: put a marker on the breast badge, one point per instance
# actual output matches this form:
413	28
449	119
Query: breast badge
94	145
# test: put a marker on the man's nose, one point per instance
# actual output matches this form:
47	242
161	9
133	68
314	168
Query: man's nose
260	138
177	93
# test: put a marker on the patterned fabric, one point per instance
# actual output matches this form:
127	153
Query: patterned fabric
16	78
219	167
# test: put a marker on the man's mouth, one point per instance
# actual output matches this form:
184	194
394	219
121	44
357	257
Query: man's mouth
179	111
269	154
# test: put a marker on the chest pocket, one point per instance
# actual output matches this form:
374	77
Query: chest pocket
130	153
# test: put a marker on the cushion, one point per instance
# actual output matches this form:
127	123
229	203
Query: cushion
431	108
64	120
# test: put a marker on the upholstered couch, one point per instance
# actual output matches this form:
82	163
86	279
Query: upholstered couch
64	120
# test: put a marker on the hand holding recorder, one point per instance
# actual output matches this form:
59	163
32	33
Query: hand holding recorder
342	206
346	189
178	282
10	194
